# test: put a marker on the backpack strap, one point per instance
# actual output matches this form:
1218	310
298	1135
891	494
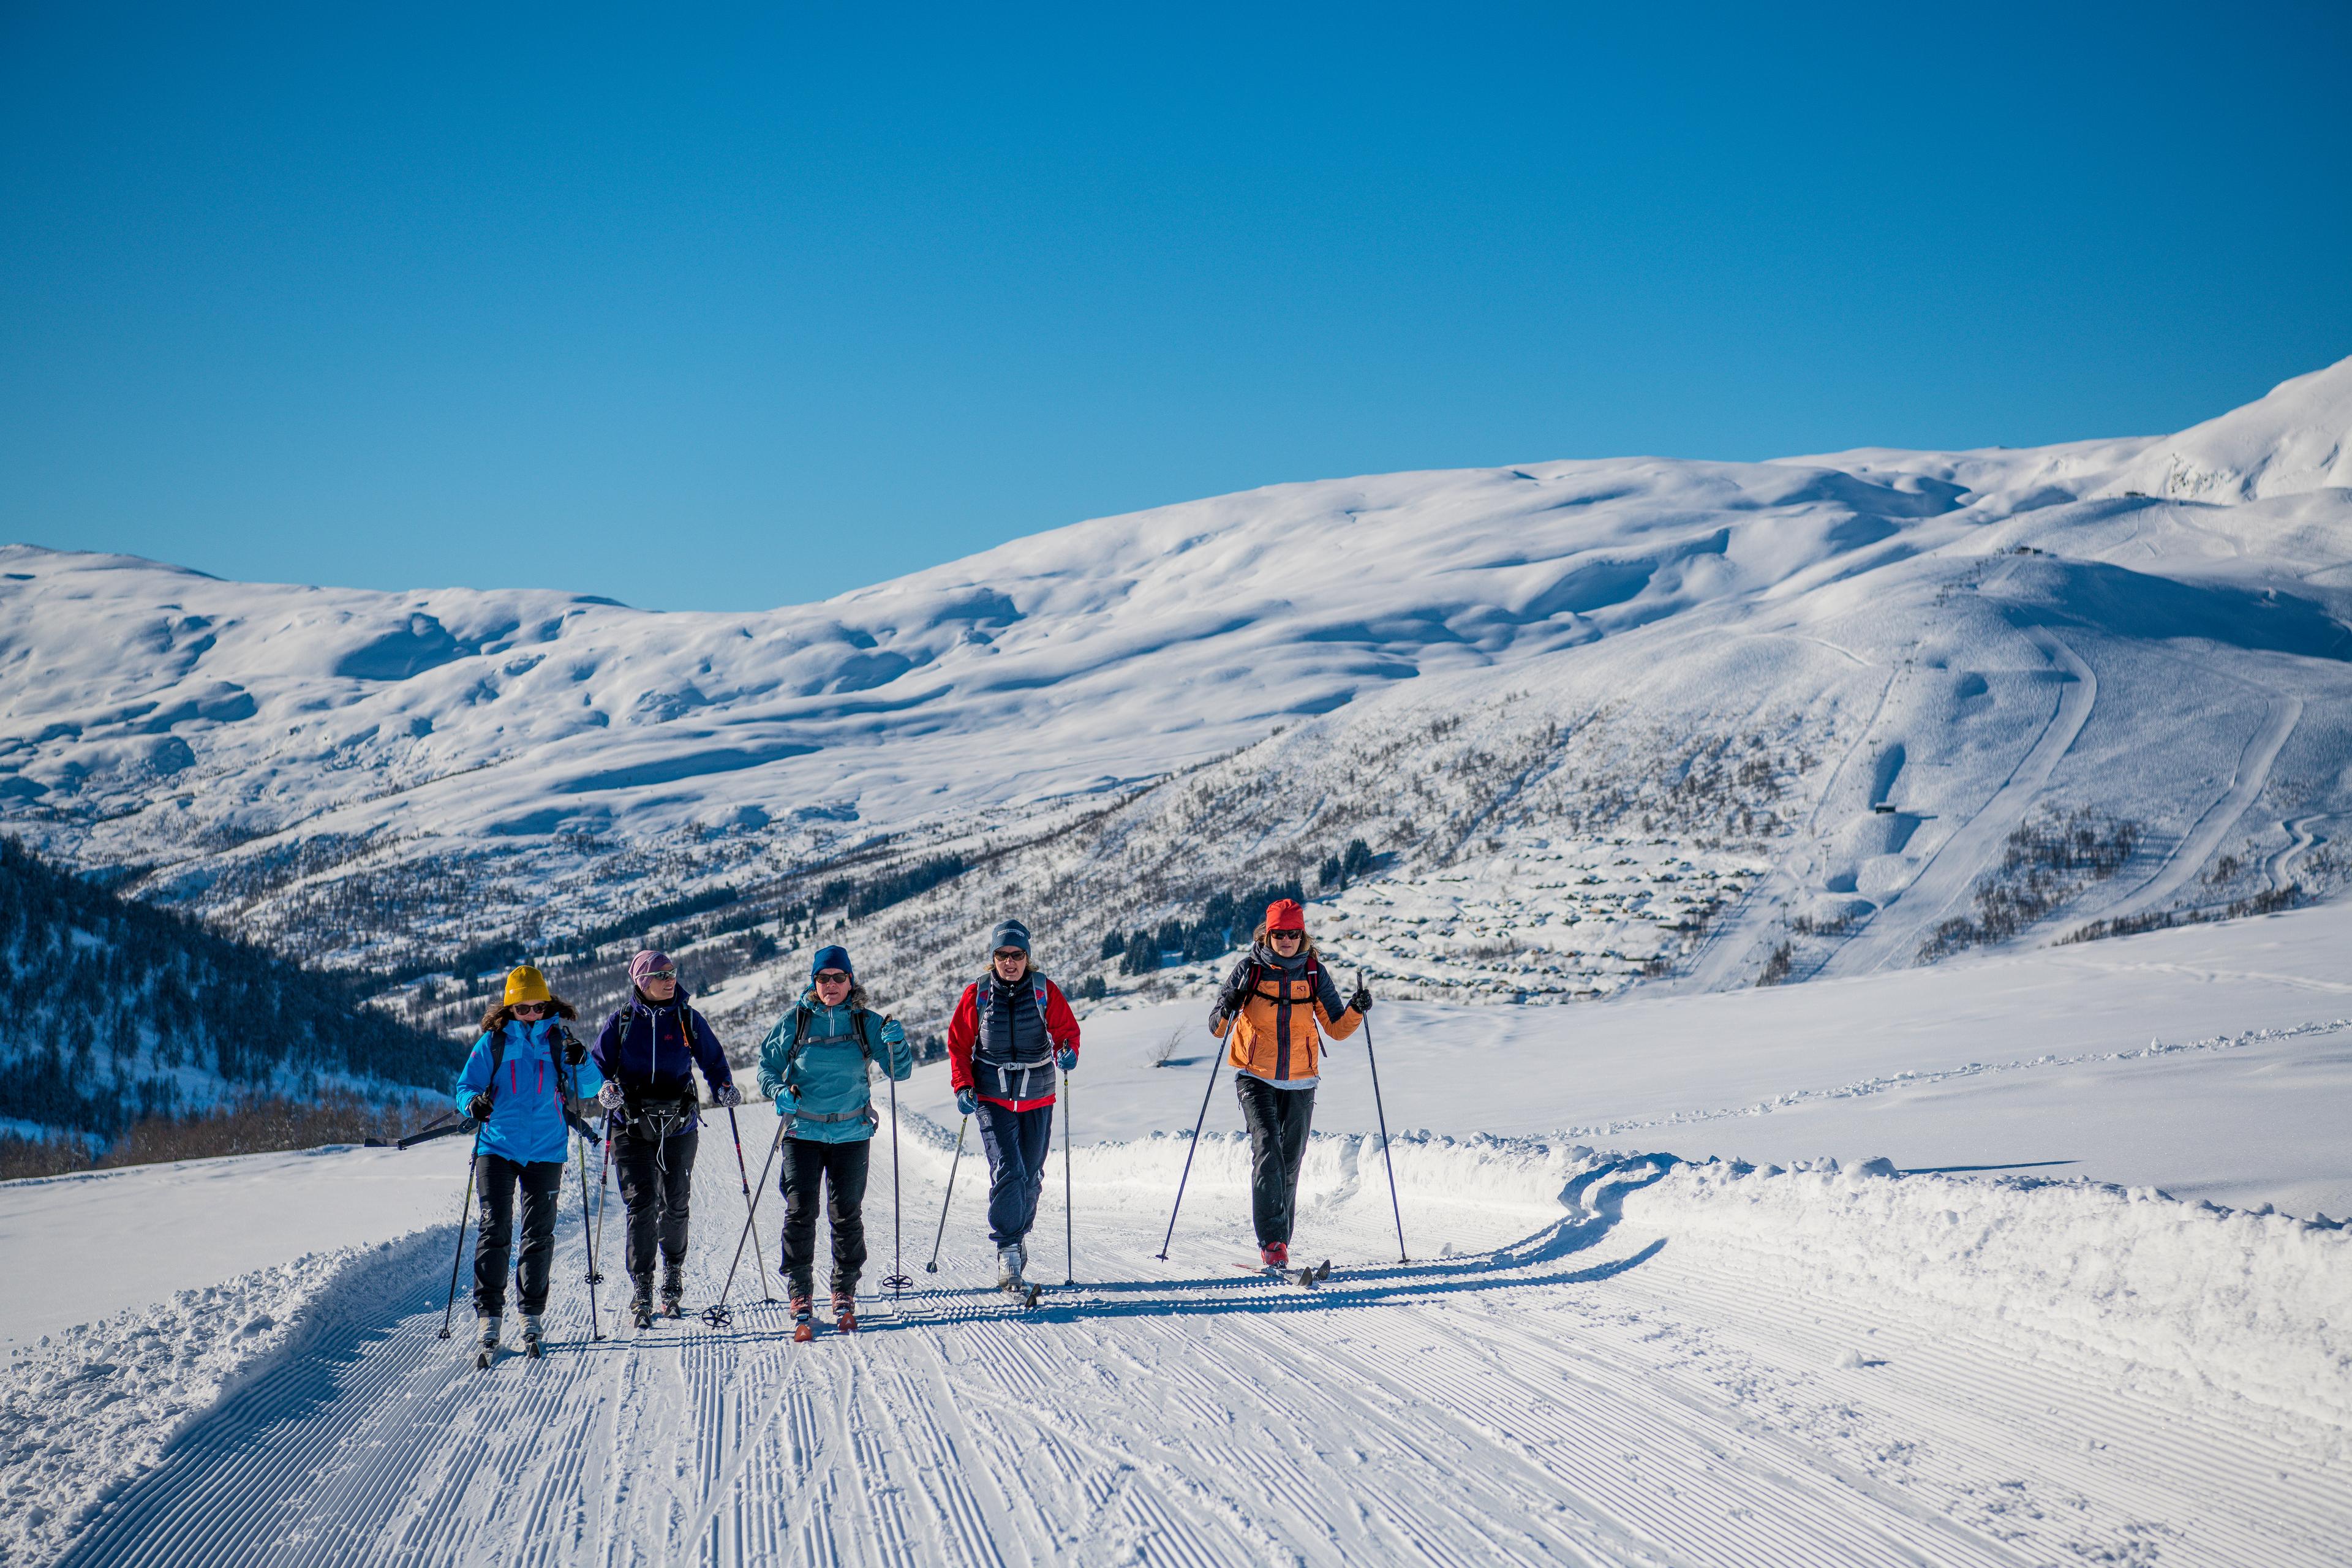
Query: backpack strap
1037	994
498	1060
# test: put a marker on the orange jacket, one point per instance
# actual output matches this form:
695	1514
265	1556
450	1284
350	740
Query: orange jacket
1274	1036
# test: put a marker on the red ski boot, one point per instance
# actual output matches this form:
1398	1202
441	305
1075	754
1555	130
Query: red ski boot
844	1311
803	1320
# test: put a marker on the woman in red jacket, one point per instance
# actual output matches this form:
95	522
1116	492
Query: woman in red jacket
1012	1027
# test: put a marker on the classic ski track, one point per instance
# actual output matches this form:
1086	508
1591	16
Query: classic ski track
1584	1393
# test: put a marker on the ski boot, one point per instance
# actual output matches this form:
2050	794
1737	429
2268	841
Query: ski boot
641	1301
489	1341
1009	1263
1276	1255
673	1298
803	1320
532	1334
844	1309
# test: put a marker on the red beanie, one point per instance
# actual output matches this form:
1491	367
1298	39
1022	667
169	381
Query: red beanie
1284	915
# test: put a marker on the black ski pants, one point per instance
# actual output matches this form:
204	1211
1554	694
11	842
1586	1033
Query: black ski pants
656	1178
496	1177
841	1167
1278	1120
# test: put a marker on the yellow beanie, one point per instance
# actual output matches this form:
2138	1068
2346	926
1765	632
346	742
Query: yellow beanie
526	984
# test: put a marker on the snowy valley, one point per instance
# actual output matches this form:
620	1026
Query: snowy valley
1862	1025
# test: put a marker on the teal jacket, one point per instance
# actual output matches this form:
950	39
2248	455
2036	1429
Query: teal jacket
821	1085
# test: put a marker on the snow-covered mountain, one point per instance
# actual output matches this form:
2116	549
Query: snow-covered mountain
1704	722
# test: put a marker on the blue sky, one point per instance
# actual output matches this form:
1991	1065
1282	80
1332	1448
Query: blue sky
756	305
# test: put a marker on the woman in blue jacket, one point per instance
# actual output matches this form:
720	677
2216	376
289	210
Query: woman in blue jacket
514	1086
815	1062
648	1052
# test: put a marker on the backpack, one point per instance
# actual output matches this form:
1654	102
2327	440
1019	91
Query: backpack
1036	996
1312	974
801	1013
563	1101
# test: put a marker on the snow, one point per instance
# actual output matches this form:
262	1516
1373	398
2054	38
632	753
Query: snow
1504	664
199	1222
1621	1360
1957	1264
2214	1062
1599	1351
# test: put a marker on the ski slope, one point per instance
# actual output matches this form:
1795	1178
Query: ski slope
1623	1362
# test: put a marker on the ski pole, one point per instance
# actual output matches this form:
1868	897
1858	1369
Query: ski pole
465	1213
603	1176
587	1231
933	1266
1375	1065
716	1314
1216	1062
744	1174
1069	1224
897	1282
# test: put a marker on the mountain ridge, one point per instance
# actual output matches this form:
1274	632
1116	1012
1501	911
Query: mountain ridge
391	772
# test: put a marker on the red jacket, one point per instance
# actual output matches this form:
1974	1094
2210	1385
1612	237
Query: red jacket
963	1035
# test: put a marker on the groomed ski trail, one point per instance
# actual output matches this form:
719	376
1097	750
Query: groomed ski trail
1581	1388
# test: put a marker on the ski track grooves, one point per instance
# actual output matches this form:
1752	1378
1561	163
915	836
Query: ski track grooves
1589	1394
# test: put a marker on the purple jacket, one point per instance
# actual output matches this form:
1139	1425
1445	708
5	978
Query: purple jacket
649	1051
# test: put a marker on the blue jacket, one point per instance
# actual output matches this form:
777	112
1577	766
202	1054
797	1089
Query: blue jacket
826	1094
652	1051
526	1123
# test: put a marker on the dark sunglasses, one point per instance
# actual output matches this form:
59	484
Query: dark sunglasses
831	977
1292	935
660	974
1005	953
531	1009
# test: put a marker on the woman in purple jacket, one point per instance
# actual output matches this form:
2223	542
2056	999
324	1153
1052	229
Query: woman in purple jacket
648	1052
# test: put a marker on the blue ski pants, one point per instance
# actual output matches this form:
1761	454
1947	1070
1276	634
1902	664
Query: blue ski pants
1016	1143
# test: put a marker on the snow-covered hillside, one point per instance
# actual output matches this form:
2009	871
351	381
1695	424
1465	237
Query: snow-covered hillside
1862	709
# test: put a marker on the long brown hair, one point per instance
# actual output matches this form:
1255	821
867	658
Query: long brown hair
500	1014
1306	943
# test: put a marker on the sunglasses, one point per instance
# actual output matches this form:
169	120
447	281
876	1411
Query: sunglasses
831	977
660	974
1286	935
531	1009
1005	954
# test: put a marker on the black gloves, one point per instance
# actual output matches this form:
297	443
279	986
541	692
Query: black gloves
1231	1002
1362	1000
575	1053
478	1108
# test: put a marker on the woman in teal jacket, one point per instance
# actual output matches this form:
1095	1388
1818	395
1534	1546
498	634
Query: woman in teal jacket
514	1086
814	1062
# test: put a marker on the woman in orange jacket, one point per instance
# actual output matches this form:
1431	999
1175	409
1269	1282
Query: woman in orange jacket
1278	1004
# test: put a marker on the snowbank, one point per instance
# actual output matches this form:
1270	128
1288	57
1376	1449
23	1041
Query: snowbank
2245	1304
87	1409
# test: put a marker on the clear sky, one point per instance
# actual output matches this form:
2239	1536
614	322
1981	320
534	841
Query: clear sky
697	308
